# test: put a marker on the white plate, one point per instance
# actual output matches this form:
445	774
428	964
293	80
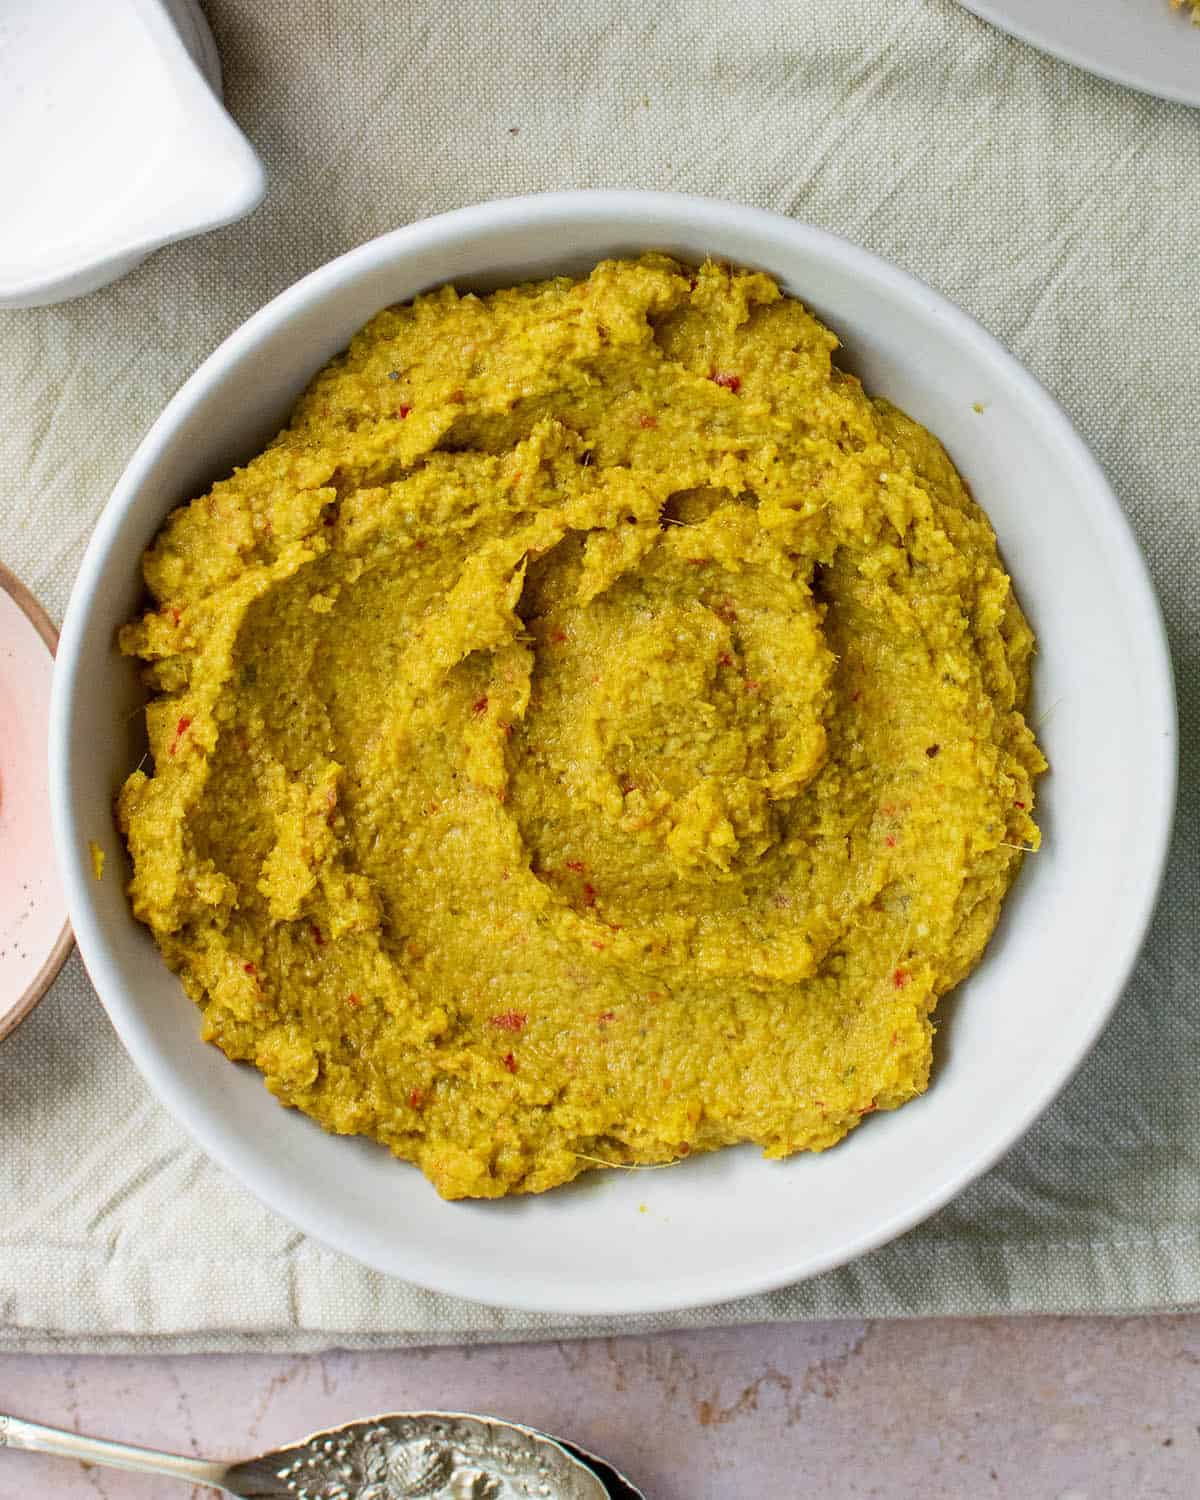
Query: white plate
729	1224
1143	43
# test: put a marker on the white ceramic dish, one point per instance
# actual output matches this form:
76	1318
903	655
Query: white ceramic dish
728	1224
1142	43
116	141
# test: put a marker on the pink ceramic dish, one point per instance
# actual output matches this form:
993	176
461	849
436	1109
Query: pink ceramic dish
35	937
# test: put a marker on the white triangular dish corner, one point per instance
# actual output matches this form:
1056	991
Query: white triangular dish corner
134	148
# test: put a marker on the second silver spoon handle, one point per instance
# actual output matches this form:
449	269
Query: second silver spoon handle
15	1433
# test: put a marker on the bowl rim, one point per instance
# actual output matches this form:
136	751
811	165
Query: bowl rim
34	611
615	210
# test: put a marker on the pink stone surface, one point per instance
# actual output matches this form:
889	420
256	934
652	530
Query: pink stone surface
1033	1409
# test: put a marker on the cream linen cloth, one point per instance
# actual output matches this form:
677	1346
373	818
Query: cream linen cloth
1062	211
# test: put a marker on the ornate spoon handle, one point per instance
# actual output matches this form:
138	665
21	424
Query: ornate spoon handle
14	1433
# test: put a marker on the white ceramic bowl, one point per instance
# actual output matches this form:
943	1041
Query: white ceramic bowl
729	1224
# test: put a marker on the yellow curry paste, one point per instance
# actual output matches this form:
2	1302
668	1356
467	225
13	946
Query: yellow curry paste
591	731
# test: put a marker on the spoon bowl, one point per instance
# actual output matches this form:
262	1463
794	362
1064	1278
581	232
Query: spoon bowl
430	1455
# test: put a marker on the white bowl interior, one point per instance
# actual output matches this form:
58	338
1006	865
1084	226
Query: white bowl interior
728	1224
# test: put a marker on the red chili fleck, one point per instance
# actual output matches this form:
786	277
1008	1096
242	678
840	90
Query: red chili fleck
725	660
249	968
176	615
684	1149
599	947
419	545
870	1109
403	412
180	730
558	635
647	421
692	284
506	730
480	705
900	978
416	1098
607	1015
726	382
1021	805
510	1062
856	695
890	841
316	934
353	1001
893	1038
509	1020
577	865
589	894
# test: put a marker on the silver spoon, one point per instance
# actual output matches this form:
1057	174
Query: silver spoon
401	1456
